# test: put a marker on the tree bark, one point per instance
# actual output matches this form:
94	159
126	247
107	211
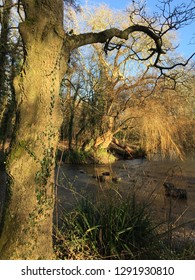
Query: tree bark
27	232
104	140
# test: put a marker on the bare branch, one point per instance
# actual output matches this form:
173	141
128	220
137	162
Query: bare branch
176	64
169	18
155	27
105	36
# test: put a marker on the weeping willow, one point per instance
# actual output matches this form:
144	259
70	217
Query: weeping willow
164	133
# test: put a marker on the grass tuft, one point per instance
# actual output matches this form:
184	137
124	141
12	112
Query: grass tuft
114	228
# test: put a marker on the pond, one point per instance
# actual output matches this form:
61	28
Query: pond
139	176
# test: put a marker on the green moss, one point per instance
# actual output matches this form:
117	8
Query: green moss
103	156
16	153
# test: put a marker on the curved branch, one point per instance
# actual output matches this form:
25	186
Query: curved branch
76	41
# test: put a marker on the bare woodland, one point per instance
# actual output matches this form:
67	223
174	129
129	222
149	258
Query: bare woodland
87	78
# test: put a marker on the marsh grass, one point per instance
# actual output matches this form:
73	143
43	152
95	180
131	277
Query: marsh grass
114	225
112	229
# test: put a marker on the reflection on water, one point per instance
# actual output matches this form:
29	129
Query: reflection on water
144	177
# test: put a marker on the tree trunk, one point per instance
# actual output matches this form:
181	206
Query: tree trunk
104	140
27	231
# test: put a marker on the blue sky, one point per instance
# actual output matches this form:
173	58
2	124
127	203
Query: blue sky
185	35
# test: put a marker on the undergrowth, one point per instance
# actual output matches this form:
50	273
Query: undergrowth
117	228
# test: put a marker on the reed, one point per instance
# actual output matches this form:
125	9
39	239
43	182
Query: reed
112	229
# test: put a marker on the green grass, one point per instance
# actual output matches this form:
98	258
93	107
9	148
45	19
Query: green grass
114	228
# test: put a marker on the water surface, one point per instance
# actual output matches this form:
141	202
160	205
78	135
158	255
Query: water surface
142	177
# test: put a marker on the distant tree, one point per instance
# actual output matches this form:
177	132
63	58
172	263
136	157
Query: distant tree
111	99
167	120
4	57
11	57
27	231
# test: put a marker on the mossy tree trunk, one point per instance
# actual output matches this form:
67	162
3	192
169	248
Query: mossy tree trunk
27	230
